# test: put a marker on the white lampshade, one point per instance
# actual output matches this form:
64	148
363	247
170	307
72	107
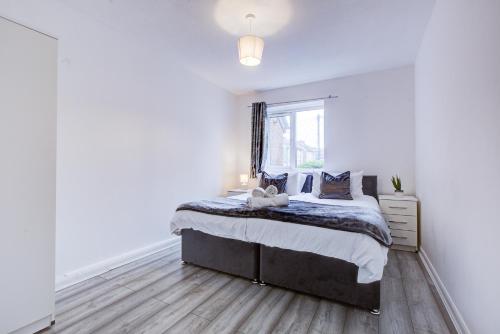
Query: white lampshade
244	179
250	50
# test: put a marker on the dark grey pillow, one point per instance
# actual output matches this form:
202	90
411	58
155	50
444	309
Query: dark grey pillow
335	187
308	184
279	181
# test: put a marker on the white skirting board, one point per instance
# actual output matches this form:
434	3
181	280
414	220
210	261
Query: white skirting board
451	308
35	326
101	267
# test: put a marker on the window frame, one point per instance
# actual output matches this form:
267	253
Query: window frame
292	111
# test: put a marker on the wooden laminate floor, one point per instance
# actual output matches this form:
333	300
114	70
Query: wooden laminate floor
159	295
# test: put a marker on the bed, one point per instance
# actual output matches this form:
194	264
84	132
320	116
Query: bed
338	265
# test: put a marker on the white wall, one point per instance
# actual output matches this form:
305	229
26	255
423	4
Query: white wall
28	106
369	127
132	135
458	155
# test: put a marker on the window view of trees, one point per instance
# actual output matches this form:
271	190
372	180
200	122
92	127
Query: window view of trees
279	141
295	139
309	139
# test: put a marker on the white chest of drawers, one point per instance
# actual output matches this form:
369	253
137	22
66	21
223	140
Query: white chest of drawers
401	213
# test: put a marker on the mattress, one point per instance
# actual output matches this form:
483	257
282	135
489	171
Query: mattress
359	249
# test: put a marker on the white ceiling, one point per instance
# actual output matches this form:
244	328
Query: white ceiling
305	40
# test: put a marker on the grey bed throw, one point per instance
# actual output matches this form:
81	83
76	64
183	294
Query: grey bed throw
345	218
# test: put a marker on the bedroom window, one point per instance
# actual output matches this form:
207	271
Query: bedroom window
296	136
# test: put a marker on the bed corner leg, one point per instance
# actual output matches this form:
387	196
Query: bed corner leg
375	311
262	283
255	281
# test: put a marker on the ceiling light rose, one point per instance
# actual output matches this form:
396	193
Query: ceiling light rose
250	47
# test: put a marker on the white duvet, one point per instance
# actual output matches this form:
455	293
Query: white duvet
357	248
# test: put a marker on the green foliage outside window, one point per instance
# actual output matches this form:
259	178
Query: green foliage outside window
312	164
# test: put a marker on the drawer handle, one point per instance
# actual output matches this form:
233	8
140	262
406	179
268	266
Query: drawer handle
398	207
395	222
394	237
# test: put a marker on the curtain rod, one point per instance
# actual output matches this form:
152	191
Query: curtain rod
297	101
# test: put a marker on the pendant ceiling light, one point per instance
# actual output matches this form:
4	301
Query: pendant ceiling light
250	47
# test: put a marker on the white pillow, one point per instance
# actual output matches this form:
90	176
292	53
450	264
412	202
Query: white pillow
356	182
316	183
292	184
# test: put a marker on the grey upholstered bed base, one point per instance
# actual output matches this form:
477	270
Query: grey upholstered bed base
314	274
305	272
227	255
317	275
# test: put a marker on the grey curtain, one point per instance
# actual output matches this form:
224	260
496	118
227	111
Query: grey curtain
258	153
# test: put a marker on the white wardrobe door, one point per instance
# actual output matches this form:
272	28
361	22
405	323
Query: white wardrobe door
28	105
